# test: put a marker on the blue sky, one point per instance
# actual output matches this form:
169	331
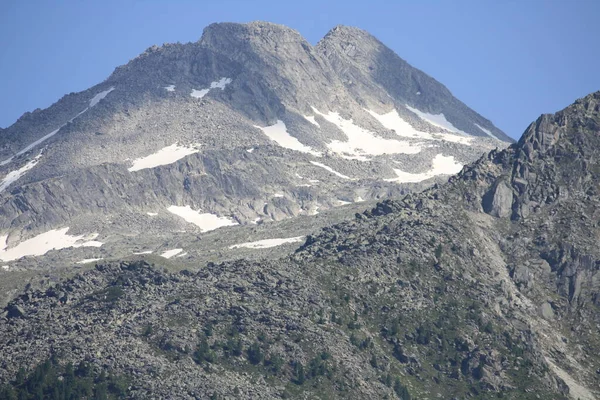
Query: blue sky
510	60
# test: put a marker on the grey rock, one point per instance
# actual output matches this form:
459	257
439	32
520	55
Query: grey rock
546	311
498	202
15	311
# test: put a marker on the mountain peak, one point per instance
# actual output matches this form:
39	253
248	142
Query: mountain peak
577	124
348	31
225	32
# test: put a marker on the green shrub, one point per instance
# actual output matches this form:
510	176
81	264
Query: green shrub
255	354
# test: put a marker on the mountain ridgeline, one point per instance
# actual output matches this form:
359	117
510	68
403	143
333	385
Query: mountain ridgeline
249	124
482	285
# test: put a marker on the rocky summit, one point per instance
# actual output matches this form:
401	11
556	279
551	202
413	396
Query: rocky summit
194	227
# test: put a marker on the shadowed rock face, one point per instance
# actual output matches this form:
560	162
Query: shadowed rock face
485	286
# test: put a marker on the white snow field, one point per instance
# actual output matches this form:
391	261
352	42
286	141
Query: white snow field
325	167
164	156
88	260
438	120
205	221
95	100
13	176
171	253
486	131
100	96
441	165
267	243
220	84
198	94
362	142
279	134
394	121
55	239
170	88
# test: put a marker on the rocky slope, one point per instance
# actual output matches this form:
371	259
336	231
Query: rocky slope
249	124
487	286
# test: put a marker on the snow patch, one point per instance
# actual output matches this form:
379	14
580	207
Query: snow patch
279	134
164	156
55	239
152	214
88	260
5	268
250	150
220	84
330	170
170	88
267	243
343	203
143	252
394	121
205	221
486	131
171	253
96	99
182	255
311	119
278	195
198	94
362	142
438	120
355	157
441	165
31	146
13	176
93	102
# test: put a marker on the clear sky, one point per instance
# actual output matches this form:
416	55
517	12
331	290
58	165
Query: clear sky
510	60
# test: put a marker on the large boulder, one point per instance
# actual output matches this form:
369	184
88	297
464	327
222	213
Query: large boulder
499	200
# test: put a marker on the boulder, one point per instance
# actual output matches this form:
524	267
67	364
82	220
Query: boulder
498	201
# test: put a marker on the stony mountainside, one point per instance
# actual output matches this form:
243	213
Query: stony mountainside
250	124
484	287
